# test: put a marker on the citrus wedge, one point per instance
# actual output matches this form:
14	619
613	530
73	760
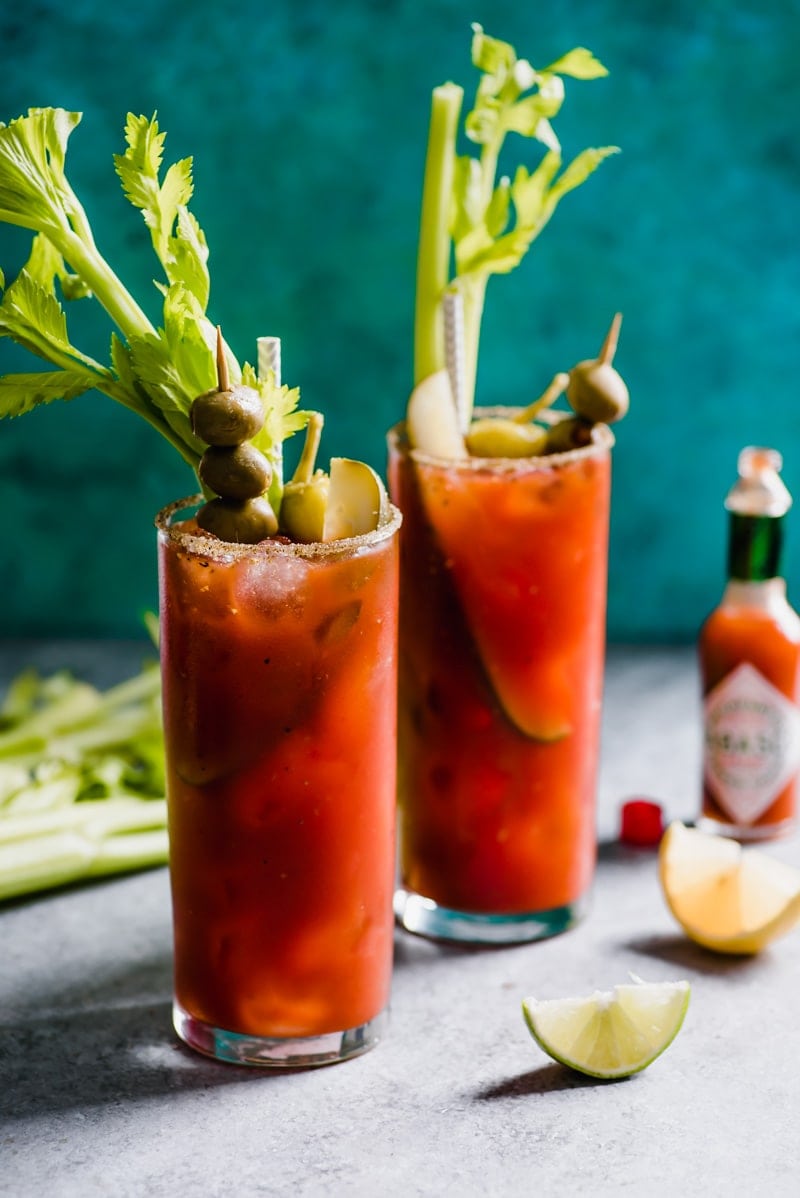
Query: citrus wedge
727	899
609	1034
432	419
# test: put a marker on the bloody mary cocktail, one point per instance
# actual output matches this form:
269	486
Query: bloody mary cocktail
278	623
279	675
503	594
504	544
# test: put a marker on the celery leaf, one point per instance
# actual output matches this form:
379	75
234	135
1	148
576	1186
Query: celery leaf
581	167
26	304
20	393
476	228
34	192
283	417
31	315
492	56
188	257
580	63
177	237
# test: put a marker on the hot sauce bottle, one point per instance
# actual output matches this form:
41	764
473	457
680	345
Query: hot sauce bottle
749	650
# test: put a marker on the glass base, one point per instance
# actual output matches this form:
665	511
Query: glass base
747	833
301	1052
424	917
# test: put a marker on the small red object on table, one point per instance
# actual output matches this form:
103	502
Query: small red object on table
642	823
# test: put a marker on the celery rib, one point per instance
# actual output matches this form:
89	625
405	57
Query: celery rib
81	781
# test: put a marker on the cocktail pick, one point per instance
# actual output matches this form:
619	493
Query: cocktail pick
223	377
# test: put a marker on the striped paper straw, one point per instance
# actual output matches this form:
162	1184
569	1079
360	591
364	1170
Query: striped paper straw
269	357
454	353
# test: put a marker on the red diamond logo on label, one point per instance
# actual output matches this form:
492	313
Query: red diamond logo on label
752	745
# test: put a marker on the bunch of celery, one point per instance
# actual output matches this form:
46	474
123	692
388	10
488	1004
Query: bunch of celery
473	221
81	780
155	371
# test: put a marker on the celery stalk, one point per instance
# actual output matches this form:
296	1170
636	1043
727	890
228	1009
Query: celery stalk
45	862
81	253
433	259
81	781
95	818
473	222
154	370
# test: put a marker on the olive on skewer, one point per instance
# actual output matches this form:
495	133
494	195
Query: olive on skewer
226	415
596	391
244	521
235	471
226	418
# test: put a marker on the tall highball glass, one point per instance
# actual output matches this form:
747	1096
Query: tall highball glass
502	635
279	679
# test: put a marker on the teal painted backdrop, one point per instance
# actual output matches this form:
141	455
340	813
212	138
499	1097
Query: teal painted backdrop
307	123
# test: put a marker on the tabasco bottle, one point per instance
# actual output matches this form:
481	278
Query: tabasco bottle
749	651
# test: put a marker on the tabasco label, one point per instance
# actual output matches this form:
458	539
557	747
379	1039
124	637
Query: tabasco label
752	743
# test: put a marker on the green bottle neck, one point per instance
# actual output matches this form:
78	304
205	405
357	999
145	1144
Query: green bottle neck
754	547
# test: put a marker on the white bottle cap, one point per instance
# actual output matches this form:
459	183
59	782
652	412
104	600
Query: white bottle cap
759	489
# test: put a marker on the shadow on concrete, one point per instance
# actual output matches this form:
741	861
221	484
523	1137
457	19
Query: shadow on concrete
611	853
412	950
112	1046
678	950
545	1080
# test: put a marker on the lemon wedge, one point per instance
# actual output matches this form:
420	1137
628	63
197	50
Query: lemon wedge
432	420
609	1034
728	899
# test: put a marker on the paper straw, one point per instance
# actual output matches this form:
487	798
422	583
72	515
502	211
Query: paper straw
454	354
269	357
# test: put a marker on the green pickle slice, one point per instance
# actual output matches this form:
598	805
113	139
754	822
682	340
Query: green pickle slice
532	687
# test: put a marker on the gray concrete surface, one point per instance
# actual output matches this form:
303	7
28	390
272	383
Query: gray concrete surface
98	1099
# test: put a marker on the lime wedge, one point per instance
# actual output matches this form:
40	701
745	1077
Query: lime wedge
612	1034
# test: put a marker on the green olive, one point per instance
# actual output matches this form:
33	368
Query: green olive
597	392
570	433
245	521
227	416
235	471
303	508
505	439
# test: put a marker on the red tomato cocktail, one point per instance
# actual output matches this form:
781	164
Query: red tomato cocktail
503	592
279	676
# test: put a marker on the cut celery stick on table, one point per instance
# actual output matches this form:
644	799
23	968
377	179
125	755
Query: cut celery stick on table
94	818
81	780
62	857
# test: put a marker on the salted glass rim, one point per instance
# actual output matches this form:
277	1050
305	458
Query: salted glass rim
602	442
206	545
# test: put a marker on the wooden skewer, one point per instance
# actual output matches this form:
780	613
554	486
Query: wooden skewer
606	354
223	378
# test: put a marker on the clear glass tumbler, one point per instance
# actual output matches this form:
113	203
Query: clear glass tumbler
279	675
502	639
